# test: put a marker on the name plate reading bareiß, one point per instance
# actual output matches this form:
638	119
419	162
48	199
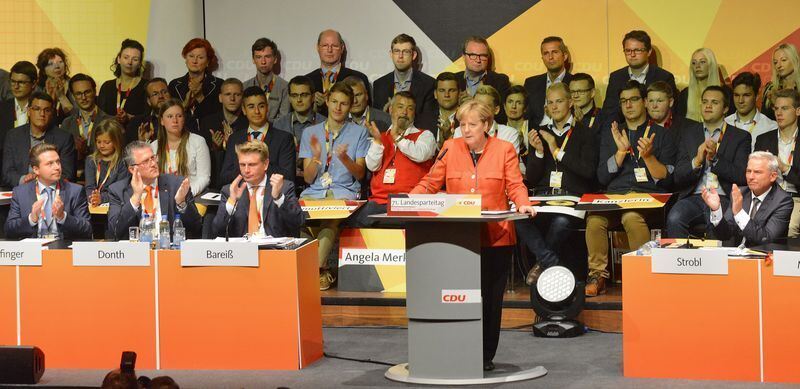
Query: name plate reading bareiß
443	205
786	263
689	261
110	254
219	253
20	253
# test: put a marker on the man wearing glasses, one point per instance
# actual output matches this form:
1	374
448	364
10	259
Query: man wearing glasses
405	78
637	49
39	129
145	127
582	90
14	111
82	121
477	58
331	49
555	56
147	192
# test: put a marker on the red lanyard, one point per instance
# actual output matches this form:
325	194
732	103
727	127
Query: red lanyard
329	143
121	104
721	134
630	148
97	177
88	135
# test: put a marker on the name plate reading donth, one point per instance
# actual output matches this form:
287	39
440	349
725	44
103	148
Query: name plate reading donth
444	205
786	263
110	254
689	261
219	253
21	253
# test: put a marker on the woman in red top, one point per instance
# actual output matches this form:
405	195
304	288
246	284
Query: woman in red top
478	163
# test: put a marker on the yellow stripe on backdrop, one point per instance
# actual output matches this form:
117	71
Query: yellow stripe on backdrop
89	31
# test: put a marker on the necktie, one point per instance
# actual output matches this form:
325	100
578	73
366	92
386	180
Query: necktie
754	209
327	81
148	200
48	206
252	215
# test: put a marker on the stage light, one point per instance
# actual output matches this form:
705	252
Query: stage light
557	298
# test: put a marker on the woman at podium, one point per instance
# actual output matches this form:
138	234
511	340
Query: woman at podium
484	164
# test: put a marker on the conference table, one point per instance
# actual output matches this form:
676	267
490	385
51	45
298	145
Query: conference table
173	316
741	326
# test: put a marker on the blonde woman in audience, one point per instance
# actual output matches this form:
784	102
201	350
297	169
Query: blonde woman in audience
785	62
703	72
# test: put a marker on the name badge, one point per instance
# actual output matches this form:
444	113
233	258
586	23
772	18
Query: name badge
326	180
689	261
388	176
712	181
641	174
555	179
110	254
219	253
786	263
21	253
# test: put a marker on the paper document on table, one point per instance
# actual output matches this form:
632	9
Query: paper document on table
263	241
210	196
41	241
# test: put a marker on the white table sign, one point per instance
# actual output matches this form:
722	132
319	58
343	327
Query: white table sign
689	261
20	253
211	253
786	263
110	254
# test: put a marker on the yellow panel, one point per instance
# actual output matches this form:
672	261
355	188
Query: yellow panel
393	278
388	239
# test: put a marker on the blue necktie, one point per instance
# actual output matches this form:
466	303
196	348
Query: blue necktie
48	206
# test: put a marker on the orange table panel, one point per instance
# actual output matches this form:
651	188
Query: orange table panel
8	305
267	317
781	321
84	317
691	326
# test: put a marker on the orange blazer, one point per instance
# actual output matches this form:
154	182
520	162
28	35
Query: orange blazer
497	178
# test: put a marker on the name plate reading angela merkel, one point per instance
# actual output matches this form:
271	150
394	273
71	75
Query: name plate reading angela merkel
444	205
690	261
20	253
110	254
219	253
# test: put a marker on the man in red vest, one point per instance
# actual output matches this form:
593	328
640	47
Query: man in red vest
397	158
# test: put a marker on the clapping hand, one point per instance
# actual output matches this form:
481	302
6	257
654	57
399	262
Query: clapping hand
183	190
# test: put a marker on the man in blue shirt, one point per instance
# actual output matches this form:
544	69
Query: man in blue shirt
333	154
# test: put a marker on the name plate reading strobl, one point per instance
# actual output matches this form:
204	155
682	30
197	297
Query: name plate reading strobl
21	253
211	253
786	263
689	261
110	254
444	205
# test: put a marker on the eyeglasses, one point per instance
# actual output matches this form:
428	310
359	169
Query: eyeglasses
304	95
36	109
404	52
149	161
634	51
634	99
476	56
19	82
85	93
580	91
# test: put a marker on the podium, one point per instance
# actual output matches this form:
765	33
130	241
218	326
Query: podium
443	301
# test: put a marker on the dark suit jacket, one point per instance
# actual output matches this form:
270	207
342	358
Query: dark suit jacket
682	101
344	72
280	221
282	154
616	82
7	113
536	87
76	224
771	221
18	146
578	166
214	122
731	158
121	214
118	172
179	88
422	87
497	80
768	141
381	118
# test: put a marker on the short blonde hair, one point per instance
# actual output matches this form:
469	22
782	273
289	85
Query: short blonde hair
254	146
484	112
489	90
558	86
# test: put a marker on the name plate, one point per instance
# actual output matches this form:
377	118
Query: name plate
110	254
689	261
445	205
210	253
386	257
786	263
20	253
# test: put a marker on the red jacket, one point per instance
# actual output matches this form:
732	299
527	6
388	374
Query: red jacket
497	179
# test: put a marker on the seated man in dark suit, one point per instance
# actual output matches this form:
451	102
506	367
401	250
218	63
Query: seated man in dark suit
266	205
757	215
219	126
149	193
282	151
711	155
477	57
145	127
555	57
637	48
331	47
406	77
40	129
48	205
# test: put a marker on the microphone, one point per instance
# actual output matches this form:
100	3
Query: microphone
230	218
689	245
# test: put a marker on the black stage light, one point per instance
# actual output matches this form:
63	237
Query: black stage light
557	299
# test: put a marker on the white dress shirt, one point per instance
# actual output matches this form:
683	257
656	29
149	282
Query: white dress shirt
421	150
743	217
199	163
261	187
756	126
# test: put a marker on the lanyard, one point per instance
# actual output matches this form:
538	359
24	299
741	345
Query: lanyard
97	177
120	100
87	131
268	89
394	145
630	148
329	143
38	197
564	144
721	134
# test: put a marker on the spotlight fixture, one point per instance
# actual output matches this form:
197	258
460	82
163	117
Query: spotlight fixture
557	299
